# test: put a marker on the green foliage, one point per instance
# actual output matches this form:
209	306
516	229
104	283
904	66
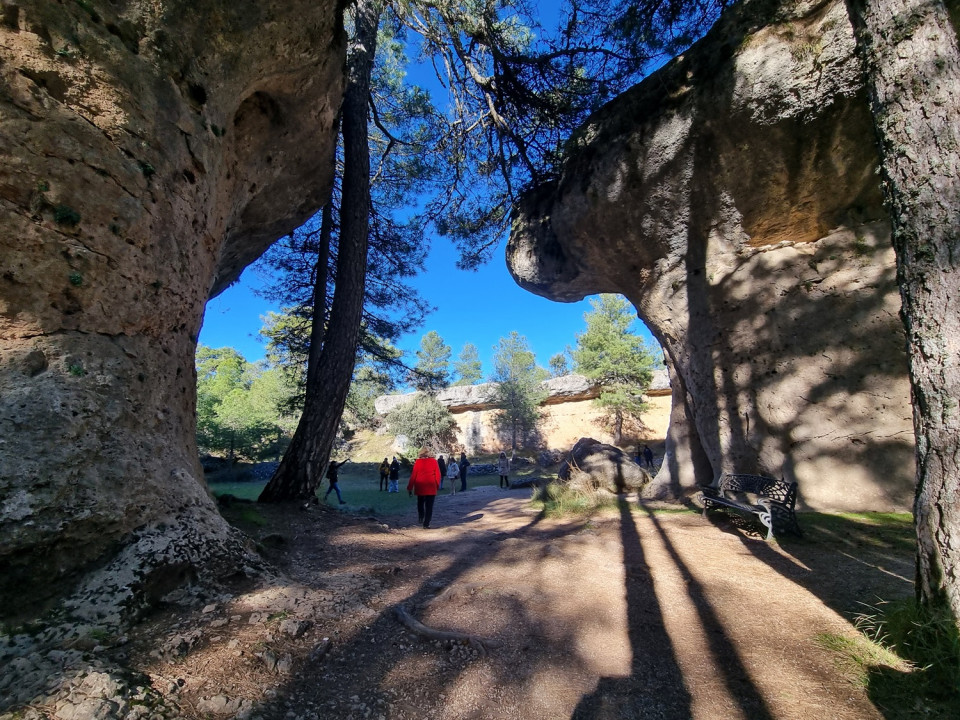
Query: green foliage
424	421
559	366
76	279
519	392
467	366
370	381
556	500
242	408
432	371
76	369
614	358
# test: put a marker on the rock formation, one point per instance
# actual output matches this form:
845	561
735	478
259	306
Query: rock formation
733	198
567	414
148	152
591	465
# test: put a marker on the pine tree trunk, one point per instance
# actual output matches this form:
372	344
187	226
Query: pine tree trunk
328	379
912	67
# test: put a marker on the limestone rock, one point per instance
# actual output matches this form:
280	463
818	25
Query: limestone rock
467	398
567	388
733	198
147	154
592	465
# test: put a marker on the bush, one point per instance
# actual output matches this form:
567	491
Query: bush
424	421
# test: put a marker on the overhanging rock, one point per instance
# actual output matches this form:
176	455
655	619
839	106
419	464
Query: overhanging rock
733	198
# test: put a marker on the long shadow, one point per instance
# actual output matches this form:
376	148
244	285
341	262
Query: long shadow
726	658
865	564
655	687
383	661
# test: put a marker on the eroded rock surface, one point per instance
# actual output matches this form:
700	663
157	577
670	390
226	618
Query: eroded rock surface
147	153
591	465
733	198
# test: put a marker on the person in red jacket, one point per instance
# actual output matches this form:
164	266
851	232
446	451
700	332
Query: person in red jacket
424	482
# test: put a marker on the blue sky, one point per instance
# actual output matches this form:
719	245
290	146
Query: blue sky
478	307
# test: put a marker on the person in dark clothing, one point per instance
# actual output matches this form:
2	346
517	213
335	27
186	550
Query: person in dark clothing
442	464
463	471
384	474
648	456
333	472
394	476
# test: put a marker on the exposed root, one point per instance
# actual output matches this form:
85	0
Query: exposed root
414	625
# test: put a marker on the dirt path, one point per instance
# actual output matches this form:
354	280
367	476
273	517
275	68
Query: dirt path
628	615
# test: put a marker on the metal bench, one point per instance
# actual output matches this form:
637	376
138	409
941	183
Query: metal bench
772	500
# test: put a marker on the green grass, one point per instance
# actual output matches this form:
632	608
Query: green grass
359	486
907	657
868	531
561	500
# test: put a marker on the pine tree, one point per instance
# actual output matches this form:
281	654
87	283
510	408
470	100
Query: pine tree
616	359
432	370
558	365
518	393
467	367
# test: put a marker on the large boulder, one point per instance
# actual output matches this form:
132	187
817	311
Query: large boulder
148	152
733	198
591	466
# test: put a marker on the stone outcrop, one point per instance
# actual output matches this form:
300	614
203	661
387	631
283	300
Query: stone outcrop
465	398
567	413
148	152
591	465
733	198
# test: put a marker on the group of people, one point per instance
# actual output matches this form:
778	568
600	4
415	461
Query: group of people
426	478
390	475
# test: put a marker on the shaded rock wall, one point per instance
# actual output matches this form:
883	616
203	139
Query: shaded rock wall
732	197
148	152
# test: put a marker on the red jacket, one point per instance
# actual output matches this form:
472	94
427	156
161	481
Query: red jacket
425	478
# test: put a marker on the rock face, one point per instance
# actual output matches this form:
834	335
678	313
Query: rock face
567	414
464	398
148	152
592	466
732	197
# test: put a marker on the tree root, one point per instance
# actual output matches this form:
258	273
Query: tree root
415	626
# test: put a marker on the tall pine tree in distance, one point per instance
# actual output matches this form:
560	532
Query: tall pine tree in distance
432	370
467	366
616	359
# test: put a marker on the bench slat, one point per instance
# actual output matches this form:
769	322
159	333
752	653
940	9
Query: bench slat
774	505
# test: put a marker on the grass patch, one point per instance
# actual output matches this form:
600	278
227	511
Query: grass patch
556	500
906	656
868	531
250	515
359	484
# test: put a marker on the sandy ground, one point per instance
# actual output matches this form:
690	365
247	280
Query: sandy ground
630	614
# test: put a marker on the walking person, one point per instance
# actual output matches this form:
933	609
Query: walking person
384	474
424	483
443	469
333	474
503	467
394	485
453	474
648	456
464	464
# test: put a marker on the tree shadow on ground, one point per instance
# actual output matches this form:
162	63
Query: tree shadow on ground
656	687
